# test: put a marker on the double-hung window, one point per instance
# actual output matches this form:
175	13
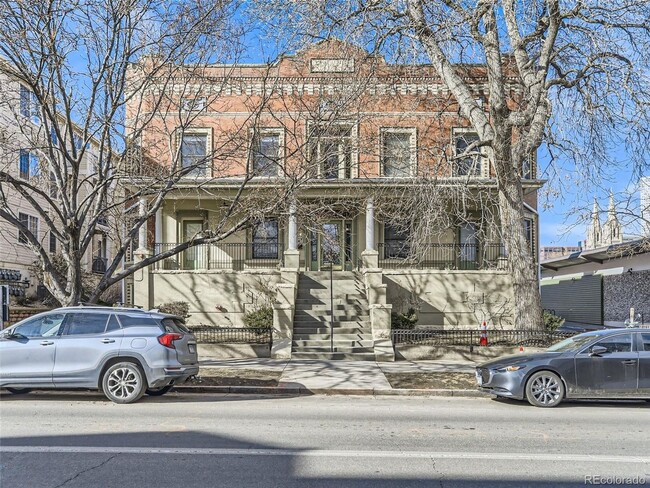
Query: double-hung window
398	159
29	106
396	243
29	164
194	153
470	164
31	223
331	147
265	240
266	152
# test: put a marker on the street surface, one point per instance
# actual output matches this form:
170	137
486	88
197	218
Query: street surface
203	440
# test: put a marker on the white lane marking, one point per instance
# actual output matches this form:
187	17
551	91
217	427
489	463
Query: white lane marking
327	453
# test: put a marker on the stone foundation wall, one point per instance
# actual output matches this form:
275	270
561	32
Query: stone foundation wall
16	314
624	291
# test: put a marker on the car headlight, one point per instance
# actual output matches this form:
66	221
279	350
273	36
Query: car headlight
510	369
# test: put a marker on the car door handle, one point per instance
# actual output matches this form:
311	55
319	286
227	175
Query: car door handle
629	361
108	341
47	343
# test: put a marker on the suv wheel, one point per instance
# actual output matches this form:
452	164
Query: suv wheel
124	383
18	391
544	389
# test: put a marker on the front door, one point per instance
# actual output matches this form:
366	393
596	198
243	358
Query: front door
331	248
613	373
193	257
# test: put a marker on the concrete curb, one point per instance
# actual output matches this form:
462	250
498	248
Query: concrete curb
294	390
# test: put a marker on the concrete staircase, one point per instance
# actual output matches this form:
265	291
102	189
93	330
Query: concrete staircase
352	336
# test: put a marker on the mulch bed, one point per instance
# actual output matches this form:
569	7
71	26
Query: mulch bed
237	377
455	381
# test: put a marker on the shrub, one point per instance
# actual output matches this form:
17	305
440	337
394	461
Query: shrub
400	320
180	309
262	318
552	322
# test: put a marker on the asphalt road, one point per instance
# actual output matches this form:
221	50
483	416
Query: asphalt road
199	440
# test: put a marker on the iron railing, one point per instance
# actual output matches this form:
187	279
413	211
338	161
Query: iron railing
208	334
222	255
436	337
394	255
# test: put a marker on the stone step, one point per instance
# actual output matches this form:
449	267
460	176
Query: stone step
320	275
338	315
351	307
347	349
334	356
326	301
305	344
324	333
316	322
325	295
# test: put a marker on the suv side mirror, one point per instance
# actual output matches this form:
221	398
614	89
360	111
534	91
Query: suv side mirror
597	351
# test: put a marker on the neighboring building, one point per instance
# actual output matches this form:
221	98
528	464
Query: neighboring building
644	194
403	125
23	157
611	232
550	252
599	286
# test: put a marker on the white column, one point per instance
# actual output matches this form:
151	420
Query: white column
370	225
293	227
158	231
142	235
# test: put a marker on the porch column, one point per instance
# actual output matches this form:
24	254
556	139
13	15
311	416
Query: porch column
142	232
158	231
293	227
370	225
370	257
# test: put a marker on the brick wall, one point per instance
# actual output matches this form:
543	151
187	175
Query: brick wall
16	314
626	290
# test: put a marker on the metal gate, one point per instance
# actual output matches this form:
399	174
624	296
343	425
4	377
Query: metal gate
575	299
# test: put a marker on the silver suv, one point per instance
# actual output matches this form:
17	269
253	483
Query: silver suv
123	352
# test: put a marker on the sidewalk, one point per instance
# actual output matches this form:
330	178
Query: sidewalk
331	377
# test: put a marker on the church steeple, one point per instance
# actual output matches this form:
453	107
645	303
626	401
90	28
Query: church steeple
594	233
612	229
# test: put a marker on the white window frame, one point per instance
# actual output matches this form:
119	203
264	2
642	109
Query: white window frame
265	131
354	147
197	104
29	222
483	159
413	163
208	149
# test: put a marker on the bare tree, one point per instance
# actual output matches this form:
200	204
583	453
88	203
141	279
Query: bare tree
74	75
571	76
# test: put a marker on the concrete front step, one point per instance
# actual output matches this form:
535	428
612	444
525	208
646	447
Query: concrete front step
345	349
304	307
322	316
334	356
338	343
336	275
345	324
325	295
322	333
326	301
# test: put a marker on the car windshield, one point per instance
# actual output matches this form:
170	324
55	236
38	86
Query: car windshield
571	343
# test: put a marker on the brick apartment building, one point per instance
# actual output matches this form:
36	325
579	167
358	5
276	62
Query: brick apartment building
348	137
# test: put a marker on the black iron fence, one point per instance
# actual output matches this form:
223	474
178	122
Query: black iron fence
435	337
223	255
398	255
208	334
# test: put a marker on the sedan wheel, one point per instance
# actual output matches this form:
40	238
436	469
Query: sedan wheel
544	389
159	391
123	383
18	391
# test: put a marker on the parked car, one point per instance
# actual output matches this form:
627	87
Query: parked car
122	352
604	364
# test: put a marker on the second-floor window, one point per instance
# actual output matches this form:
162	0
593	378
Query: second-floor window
29	164
471	164
398	152
31	223
331	150
265	240
28	103
194	153
266	153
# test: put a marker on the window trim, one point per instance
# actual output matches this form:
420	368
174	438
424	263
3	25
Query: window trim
265	131
209	163
413	147
277	242
20	232
354	146
406	247
483	158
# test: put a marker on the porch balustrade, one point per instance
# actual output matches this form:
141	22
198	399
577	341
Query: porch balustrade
455	256
222	255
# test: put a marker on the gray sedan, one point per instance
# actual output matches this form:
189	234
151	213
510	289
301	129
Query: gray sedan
604	364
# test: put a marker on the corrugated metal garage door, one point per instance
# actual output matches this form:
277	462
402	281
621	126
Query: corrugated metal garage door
576	300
